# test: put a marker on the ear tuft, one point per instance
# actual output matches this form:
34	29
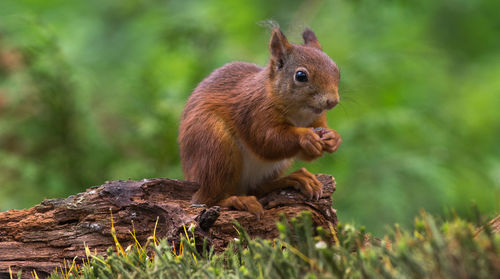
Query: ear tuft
310	39
279	47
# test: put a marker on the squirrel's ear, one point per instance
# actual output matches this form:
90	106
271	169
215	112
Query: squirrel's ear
279	47
310	39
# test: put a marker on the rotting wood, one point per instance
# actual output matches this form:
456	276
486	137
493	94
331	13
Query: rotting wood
43	237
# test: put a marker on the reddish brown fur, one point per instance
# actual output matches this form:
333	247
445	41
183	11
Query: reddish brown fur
243	115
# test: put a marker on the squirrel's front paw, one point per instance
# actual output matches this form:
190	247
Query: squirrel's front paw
331	140
311	144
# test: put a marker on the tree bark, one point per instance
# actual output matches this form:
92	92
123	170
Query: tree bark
43	237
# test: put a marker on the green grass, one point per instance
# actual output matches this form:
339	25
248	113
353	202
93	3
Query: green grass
434	249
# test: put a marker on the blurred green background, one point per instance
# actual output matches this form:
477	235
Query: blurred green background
92	91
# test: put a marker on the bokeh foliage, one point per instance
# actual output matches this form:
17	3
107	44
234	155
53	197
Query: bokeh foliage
433	249
93	90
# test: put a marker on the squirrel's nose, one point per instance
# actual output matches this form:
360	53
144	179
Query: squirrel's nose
330	103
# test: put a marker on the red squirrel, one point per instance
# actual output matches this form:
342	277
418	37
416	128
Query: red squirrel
243	125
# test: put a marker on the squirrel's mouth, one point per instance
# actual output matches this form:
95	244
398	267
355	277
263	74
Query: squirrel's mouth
315	109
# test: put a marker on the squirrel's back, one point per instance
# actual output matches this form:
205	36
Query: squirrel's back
222	86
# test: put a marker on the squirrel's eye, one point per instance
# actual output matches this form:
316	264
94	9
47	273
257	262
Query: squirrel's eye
300	76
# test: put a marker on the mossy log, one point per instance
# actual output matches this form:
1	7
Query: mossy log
42	238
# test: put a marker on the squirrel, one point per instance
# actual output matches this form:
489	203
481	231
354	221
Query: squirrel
243	125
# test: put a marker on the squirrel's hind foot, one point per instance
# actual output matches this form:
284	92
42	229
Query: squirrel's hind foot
244	203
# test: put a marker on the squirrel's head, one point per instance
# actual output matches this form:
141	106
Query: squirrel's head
303	75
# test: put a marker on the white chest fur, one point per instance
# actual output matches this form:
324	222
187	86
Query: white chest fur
255	170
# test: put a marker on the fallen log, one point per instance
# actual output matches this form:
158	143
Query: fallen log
43	237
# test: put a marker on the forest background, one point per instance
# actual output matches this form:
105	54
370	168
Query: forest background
93	90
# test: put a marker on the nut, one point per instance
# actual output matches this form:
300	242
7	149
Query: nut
320	131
